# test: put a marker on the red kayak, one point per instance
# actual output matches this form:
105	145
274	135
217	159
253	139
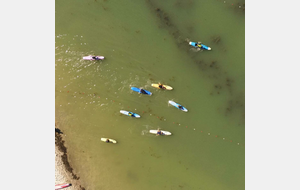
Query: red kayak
61	186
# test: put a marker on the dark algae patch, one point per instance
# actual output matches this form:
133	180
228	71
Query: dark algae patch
59	142
57	130
211	69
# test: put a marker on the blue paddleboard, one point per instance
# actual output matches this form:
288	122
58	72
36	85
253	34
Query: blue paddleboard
139	91
177	106
194	44
129	113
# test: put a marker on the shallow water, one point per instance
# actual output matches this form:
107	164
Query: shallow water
144	42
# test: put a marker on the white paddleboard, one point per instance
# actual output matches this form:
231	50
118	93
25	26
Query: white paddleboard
164	132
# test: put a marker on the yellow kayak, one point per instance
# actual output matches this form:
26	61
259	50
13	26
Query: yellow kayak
166	87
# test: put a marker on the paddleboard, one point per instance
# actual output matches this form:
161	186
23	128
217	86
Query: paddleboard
139	91
110	140
128	113
166	87
194	44
61	186
163	132
177	105
90	57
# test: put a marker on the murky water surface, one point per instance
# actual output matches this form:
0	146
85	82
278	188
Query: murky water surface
145	42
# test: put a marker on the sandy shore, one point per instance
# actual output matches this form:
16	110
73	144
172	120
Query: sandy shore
63	170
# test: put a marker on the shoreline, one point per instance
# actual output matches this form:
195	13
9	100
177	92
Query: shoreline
63	170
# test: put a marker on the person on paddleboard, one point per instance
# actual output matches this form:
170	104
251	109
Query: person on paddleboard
130	114
198	44
159	132
107	140
161	86
180	107
143	91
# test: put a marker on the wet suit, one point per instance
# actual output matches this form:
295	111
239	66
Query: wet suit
143	91
180	107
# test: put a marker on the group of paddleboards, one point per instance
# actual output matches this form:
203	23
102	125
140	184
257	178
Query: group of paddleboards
197	45
135	115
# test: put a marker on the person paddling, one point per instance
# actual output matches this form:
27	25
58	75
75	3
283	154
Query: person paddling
199	44
161	86
143	91
180	107
159	132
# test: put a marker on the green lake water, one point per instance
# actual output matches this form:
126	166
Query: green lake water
146	42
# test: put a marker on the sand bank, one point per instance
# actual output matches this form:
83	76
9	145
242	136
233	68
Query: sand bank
63	170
